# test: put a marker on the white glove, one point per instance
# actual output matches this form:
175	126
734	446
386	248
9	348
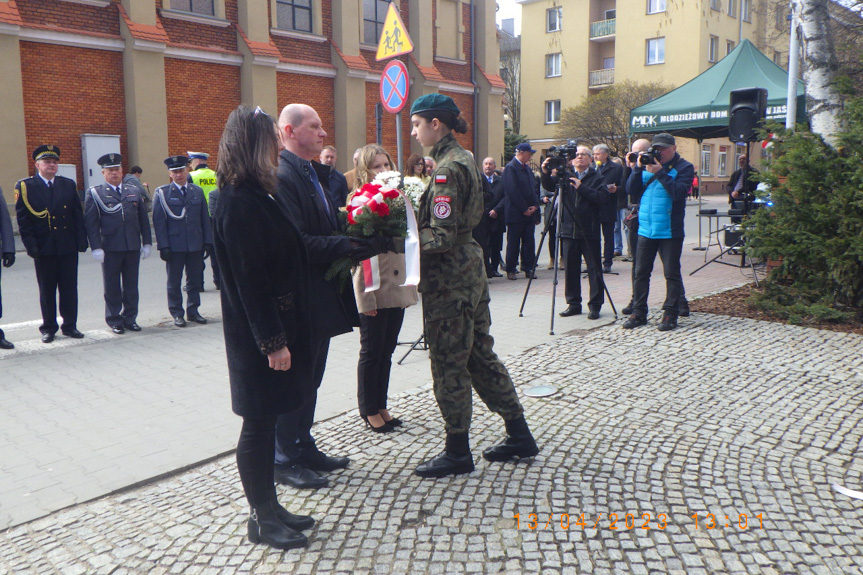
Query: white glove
145	251
99	255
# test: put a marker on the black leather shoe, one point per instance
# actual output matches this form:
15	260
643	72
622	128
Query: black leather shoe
73	333
594	314
47	337
518	443
606	269
445	464
530	275
133	327
318	461
295	522
299	477
197	318
265	526
118	329
634	321
669	322
179	321
683	308
495	274
571	310
395	422
6	344
511	276
627	310
385	428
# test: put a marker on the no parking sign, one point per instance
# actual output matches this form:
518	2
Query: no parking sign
394	87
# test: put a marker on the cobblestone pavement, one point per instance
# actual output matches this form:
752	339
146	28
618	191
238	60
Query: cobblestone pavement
750	422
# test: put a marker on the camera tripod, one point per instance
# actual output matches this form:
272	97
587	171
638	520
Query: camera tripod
556	201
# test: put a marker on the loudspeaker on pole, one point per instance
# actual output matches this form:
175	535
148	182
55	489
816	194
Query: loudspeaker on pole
746	111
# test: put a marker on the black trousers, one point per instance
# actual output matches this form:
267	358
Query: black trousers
379	336
520	240
294	429
255	451
607	243
573	251
58	274
193	263
120	280
495	246
552	239
669	251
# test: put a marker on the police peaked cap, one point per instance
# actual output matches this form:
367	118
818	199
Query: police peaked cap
176	162
434	103
110	160
43	152
198	155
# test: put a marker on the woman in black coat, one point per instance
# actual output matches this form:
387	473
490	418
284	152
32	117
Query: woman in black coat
264	271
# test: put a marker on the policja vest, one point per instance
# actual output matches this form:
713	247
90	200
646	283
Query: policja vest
205	178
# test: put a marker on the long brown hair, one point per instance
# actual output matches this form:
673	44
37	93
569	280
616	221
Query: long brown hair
367	157
248	150
413	160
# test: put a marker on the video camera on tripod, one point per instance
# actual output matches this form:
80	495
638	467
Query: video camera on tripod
560	157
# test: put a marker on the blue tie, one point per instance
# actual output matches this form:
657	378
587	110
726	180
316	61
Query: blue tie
314	176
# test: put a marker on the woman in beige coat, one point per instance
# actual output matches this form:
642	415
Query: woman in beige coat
381	312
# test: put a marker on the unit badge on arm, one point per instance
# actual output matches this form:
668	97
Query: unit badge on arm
442	209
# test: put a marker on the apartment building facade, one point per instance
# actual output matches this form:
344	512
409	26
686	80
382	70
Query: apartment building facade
573	48
163	75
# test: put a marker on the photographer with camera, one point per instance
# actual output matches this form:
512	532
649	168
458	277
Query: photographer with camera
659	184
579	224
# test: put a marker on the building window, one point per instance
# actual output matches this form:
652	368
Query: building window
608	63
729	47
655	51
553	19
781	18
745	6
552	65
294	15
777	58
716	5
654	6
205	7
610	14
705	159
374	14
552	111
722	161
732	8
712	43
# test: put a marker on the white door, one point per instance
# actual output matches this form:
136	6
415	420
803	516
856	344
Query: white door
93	147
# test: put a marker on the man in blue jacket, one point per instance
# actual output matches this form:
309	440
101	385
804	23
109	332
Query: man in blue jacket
660	188
522	211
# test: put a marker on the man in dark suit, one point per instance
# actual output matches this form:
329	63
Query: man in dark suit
612	175
338	184
495	215
118	228
7	249
302	195
522	212
741	186
51	224
184	236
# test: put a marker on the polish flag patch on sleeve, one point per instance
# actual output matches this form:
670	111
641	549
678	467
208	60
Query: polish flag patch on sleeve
440	178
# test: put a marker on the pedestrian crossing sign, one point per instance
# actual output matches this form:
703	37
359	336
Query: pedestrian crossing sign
394	37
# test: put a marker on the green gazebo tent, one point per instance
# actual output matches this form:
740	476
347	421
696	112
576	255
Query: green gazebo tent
699	108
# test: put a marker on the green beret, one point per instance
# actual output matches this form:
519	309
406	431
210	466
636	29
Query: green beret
434	103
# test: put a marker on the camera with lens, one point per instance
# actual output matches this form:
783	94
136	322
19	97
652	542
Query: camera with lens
649	157
560	156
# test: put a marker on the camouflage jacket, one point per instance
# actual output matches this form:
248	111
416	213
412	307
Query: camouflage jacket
450	209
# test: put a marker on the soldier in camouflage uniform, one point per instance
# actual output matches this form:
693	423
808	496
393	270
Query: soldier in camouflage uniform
455	297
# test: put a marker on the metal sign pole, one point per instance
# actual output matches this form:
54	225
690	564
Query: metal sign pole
399	140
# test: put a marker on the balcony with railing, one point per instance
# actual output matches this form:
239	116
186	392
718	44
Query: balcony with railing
601	78
603	30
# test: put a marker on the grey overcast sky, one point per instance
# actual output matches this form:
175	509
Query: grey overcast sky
509	9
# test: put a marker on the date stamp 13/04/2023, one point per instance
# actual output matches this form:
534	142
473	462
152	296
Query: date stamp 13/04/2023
627	521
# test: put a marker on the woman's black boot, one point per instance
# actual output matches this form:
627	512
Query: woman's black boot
266	527
293	521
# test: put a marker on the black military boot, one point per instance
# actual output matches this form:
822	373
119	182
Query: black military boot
455	459
518	443
266	527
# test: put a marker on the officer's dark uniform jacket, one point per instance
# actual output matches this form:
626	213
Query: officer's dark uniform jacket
584	204
116	221
50	223
611	173
450	209
189	233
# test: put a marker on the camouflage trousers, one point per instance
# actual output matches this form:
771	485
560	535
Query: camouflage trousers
460	348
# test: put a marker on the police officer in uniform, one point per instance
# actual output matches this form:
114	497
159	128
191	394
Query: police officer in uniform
119	232
184	236
205	178
455	297
51	224
7	248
